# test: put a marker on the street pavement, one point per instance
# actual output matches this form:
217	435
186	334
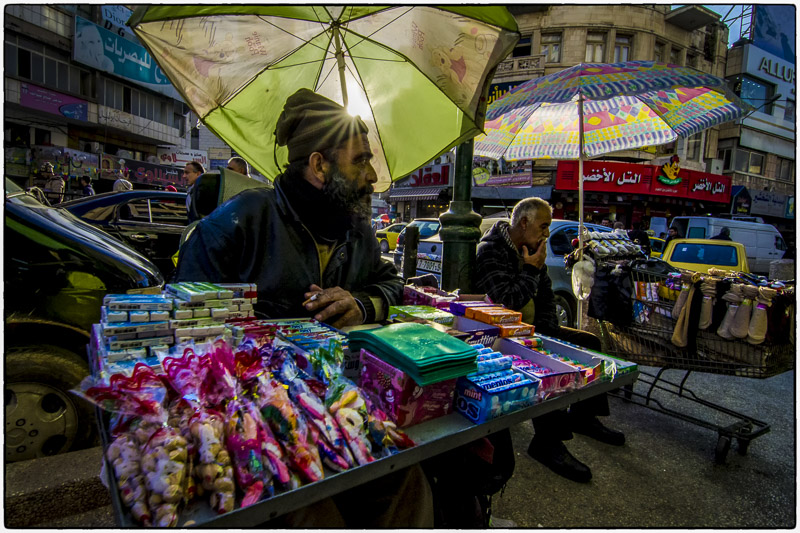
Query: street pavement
665	475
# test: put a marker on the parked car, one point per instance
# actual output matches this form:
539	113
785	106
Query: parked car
763	242
428	227
699	255
387	237
149	221
562	232
58	268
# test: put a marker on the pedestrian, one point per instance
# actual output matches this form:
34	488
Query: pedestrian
191	171
54	184
639	236
122	185
86	183
308	246
672	233
724	234
238	164
511	270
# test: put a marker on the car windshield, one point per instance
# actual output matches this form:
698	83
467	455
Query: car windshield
657	245
426	228
705	254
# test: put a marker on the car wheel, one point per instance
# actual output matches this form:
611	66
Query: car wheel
384	246
42	417
564	311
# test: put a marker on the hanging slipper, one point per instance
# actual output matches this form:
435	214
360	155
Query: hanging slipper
708	286
741	322
757	331
734	299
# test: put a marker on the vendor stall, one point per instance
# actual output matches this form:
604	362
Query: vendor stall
213	418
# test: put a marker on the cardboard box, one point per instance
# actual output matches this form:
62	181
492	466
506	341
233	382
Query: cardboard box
476	332
399	396
563	378
611	365
479	405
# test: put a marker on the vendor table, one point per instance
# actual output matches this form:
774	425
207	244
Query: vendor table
432	437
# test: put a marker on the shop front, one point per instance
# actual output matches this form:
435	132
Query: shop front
633	193
423	194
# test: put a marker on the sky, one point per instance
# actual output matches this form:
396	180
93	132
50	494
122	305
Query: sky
733	28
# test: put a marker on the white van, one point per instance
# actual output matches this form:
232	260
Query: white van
763	242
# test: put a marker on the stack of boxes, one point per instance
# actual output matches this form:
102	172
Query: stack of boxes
136	328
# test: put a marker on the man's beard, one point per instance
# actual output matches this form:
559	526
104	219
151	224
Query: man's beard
346	196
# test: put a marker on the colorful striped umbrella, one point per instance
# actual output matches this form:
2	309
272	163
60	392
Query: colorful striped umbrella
594	109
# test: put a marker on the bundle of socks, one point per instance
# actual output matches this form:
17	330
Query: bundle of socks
680	336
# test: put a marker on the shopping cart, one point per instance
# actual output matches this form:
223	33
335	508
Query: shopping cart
647	340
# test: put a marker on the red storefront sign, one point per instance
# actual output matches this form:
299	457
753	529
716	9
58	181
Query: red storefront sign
708	187
602	176
626	178
430	176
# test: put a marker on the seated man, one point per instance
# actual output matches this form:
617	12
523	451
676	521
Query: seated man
511	270
308	246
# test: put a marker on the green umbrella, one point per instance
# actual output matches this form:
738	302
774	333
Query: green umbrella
417	75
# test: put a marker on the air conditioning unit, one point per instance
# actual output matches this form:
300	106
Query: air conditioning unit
93	147
715	166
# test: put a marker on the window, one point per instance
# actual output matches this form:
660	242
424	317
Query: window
785	167
788	111
622	48
696	233
725	155
523	47
749	161
135	211
595	47
779	244
691	60
693	145
551	47
47	67
756	93
675	56
658	52
169	212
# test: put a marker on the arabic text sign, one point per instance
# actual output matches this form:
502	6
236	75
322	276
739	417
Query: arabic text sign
179	157
606	177
105	50
522	179
52	102
114	19
707	187
140	172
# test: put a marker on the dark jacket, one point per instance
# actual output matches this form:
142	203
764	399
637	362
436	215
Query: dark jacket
256	237
501	273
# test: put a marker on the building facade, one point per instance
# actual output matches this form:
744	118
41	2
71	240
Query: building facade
83	94
555	37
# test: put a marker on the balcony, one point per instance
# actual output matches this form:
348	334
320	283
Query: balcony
527	67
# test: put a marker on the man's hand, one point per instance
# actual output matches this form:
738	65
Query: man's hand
536	259
334	302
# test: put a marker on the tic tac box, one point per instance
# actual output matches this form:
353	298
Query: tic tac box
481	399
399	396
559	378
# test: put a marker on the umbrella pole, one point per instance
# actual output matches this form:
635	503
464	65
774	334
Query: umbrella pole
579	319
340	62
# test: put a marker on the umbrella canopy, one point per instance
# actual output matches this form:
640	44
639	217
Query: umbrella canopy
384	217
417	75
624	106
594	109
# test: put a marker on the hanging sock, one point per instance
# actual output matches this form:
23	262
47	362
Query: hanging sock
686	277
708	286
681	333
741	322
757	331
734	298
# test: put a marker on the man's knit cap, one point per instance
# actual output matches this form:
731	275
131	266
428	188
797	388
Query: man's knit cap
312	123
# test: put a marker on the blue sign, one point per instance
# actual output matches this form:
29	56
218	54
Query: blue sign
774	30
498	90
105	50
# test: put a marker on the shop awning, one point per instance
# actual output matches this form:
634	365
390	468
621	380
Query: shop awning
512	193
415	193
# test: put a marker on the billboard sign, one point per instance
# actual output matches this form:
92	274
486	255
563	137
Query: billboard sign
42	99
774	30
178	157
97	47
114	19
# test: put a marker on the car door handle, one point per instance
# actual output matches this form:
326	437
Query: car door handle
140	237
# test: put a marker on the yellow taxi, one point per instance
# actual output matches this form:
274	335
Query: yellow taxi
387	237
699	255
656	246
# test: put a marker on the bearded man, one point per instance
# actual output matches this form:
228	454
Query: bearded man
307	243
308	246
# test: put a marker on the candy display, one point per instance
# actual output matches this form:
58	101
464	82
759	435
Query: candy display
424	312
399	396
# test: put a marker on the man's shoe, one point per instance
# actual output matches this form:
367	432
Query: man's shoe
557	458
596	430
